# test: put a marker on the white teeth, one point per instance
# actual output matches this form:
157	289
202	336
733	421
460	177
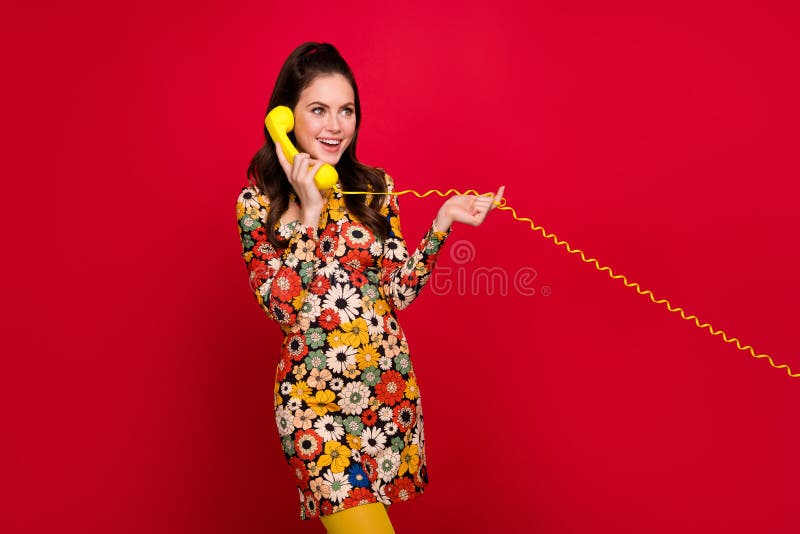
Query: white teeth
329	141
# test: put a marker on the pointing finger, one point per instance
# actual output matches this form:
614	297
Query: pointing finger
498	197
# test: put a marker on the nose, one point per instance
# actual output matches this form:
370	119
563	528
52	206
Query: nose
333	122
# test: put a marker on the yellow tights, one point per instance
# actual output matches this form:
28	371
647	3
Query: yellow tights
363	519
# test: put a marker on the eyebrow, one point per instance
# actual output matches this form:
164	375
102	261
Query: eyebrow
318	103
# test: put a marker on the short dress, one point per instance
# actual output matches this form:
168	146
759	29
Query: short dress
347	401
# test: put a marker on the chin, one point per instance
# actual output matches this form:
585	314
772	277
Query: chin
332	160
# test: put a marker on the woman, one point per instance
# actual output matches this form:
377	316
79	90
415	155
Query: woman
332	269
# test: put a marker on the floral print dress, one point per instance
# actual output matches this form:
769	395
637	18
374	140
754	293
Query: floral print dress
347	403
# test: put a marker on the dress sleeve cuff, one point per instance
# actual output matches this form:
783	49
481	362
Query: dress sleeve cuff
434	239
440	234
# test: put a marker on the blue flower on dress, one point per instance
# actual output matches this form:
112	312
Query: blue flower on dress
357	476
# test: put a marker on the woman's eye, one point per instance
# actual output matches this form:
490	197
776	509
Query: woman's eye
317	111
348	111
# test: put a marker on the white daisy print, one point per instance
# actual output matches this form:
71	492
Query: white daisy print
373	441
338	483
340	276
385	414
327	427
336	384
286	230
374	322
292	261
293	404
404	294
379	488
395	250
376	248
328	269
338	359
345	299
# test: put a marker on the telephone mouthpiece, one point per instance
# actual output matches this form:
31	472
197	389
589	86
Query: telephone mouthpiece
326	177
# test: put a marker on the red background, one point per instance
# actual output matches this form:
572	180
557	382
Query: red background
662	141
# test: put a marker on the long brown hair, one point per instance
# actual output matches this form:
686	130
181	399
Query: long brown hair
303	65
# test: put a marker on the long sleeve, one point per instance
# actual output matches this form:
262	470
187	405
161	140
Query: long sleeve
404	276
279	277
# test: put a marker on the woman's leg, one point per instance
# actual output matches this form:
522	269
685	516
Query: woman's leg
364	519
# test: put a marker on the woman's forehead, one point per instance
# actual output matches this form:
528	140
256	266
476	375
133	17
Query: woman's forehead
332	89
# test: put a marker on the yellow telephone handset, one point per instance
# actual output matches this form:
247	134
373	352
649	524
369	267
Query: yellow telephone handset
280	122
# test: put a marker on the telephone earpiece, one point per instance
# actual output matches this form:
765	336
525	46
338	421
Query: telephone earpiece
280	122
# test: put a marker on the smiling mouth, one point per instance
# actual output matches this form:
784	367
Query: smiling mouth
330	145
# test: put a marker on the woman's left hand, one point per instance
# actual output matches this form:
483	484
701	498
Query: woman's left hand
467	209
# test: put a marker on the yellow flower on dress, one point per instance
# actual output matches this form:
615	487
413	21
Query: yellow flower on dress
336	455
298	301
396	227
354	441
248	256
300	371
367	356
336	208
381	307
301	390
323	402
335	338
355	332
384	209
412	390
409	460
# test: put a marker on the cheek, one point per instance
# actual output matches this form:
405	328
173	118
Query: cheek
303	131
305	128
305	136
351	130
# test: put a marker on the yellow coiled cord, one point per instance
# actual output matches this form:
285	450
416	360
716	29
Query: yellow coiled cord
503	205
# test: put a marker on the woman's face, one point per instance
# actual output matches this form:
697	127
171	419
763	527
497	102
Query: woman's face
325	118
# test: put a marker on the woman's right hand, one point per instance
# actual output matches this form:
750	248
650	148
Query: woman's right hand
301	176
